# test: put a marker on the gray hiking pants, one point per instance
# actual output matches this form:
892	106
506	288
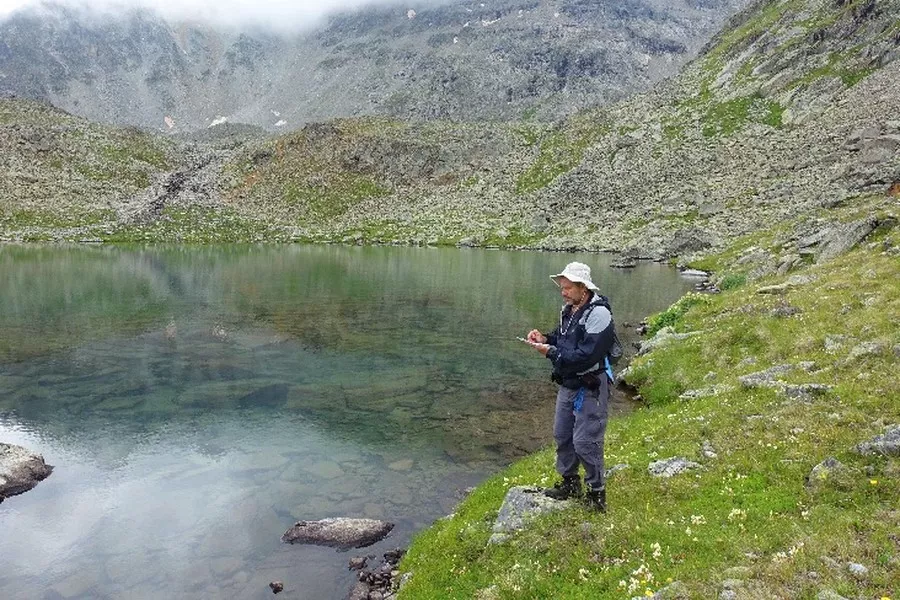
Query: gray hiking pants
579	435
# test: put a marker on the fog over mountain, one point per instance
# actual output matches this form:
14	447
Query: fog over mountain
187	65
280	15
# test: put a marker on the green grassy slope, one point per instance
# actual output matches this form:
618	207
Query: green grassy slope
748	514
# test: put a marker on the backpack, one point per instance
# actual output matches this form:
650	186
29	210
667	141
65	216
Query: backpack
616	350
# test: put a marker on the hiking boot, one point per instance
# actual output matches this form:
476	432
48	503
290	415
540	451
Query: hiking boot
596	500
569	487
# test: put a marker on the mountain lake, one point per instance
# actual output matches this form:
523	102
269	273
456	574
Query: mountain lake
197	401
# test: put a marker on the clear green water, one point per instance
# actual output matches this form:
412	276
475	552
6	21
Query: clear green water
196	401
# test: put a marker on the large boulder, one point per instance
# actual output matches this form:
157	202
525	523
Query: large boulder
20	470
842	238
340	533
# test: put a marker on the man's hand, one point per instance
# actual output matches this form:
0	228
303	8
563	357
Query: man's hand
542	348
536	337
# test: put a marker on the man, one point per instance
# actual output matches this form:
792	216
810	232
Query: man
578	350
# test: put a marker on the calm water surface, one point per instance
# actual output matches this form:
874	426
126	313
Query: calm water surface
196	402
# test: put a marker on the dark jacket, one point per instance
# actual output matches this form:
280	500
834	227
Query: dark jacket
581	341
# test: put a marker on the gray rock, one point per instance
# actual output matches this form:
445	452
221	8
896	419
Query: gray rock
803	391
880	149
866	349
615	469
727	595
855	139
785	310
521	504
694	274
777	289
767	378
801	279
359	592
540	223
833	343
674	591
341	533
826	470
713	390
887	444
789	262
843	238
857	570
671	466
663	337
20	470
829	595
707	449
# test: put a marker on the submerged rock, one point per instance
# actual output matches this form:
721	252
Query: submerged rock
341	533
20	470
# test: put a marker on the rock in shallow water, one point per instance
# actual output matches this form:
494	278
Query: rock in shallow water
20	470
340	533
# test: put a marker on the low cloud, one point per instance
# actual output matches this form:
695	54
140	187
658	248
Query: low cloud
276	14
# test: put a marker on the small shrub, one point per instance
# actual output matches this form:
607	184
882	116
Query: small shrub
732	281
672	315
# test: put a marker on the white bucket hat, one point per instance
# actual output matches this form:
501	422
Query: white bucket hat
576	272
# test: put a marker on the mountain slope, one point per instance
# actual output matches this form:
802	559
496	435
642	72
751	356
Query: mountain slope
463	61
790	112
63	176
728	147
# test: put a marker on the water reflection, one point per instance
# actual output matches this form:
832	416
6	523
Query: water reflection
196	401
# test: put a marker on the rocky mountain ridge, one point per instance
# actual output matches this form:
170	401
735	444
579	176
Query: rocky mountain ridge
456	60
788	114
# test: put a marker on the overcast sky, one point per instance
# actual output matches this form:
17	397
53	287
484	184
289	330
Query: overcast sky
283	14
